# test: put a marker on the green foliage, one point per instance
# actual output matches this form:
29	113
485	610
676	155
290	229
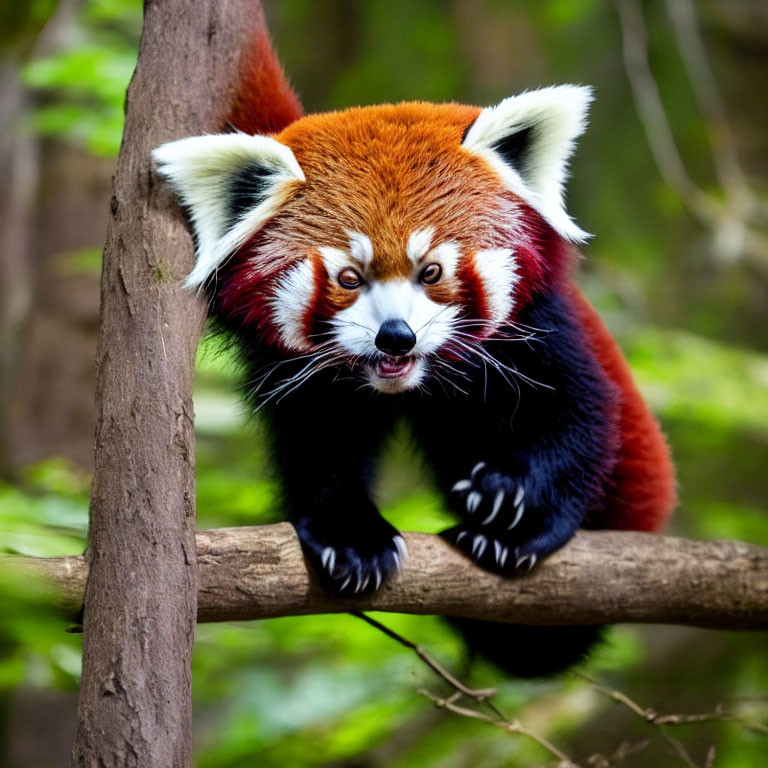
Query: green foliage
90	84
691	378
45	516
83	89
389	68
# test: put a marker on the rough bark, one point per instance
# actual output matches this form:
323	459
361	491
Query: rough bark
135	699
599	578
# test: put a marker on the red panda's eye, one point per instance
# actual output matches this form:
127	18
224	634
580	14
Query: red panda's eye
431	274
349	278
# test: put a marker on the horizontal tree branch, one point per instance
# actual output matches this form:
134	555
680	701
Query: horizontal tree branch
604	577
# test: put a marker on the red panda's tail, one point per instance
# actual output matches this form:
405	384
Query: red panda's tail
641	493
265	101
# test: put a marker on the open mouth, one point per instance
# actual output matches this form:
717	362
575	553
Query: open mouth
389	367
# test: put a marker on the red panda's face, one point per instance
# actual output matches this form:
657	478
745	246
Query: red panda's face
391	324
389	240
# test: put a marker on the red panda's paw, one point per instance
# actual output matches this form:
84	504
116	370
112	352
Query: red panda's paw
506	528
353	558
490	498
491	550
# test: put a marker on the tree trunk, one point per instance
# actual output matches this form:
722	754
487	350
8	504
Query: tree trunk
140	601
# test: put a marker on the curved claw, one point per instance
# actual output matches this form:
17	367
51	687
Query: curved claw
497	502
473	501
402	549
479	467
479	544
328	559
525	563
461	485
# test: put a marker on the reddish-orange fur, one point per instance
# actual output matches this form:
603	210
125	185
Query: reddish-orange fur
375	170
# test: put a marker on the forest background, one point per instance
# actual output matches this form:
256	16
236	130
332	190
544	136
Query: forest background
678	268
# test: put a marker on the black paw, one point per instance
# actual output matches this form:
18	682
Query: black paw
492	550
491	498
356	557
504	529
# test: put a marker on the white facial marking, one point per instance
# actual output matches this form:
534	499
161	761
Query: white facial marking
498	271
292	296
361	248
334	259
418	244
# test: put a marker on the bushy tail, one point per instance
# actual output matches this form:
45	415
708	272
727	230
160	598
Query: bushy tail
523	651
265	101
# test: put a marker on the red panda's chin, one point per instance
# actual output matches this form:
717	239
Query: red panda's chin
395	374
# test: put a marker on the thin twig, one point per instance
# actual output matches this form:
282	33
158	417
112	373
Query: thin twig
479	695
483	695
621	753
511	726
728	220
651	110
732	234
729	172
653	717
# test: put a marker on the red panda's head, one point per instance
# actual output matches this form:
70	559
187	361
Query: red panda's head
383	238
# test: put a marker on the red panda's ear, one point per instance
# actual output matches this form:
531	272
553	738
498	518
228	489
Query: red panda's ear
232	184
528	139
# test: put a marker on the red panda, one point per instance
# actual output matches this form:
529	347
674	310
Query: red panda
414	261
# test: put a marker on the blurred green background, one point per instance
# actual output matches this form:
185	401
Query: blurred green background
679	270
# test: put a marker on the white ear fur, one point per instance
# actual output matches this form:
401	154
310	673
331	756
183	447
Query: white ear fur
211	173
553	118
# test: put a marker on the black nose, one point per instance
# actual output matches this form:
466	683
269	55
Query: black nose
395	337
